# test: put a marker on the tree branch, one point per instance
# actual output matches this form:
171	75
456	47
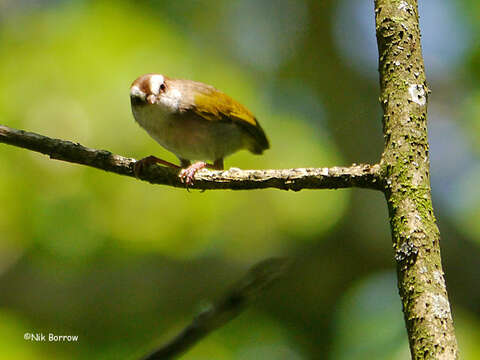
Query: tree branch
363	176
405	163
232	304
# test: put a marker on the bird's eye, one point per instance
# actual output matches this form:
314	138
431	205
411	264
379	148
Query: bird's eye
162	87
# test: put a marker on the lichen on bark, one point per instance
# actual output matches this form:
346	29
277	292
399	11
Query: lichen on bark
405	167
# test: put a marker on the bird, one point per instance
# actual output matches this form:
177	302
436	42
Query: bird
194	121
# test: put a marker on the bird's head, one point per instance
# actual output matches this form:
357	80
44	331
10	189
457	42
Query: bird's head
155	89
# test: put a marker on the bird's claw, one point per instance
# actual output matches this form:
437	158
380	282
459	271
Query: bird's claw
187	176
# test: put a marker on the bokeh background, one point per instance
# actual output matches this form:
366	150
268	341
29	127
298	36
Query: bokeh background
125	265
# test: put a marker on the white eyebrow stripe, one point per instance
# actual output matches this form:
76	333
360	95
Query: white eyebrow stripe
155	82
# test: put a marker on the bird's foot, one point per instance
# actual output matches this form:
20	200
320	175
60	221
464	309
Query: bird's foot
187	175
140	165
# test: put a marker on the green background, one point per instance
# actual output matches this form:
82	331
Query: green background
125	265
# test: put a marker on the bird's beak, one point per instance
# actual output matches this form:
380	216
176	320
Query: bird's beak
151	99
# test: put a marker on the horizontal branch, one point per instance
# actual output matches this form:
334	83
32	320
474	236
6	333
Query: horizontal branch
363	176
242	294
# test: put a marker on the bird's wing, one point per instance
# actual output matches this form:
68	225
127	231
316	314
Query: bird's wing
224	108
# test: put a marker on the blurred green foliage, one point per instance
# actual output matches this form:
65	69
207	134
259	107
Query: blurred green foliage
82	93
125	265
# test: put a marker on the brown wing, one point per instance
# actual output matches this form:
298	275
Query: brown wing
224	108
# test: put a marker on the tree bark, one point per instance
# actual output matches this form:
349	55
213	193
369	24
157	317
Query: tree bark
405	169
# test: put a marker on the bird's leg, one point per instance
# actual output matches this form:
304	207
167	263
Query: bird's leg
218	164
187	175
140	165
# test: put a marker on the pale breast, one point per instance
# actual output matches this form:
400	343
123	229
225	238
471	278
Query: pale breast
189	136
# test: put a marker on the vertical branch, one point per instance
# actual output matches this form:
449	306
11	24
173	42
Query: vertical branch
405	165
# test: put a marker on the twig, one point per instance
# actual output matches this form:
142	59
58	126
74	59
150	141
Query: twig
232	304
363	176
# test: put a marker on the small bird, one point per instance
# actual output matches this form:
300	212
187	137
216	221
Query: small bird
194	121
